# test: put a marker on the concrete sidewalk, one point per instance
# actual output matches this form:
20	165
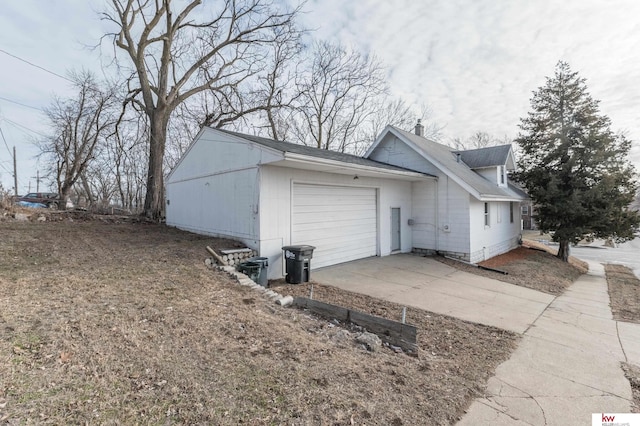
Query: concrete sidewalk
567	364
428	284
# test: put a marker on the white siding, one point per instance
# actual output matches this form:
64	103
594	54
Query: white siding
453	211
492	174
394	151
218	205
446	231
340	221
424	214
276	209
216	153
214	188
498	237
489	173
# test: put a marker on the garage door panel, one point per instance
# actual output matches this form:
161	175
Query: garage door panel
335	220
324	242
340	221
334	224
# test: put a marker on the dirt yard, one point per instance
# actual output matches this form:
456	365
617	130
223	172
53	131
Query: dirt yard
107	322
624	293
529	266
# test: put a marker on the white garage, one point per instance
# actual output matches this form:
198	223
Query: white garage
341	221
269	194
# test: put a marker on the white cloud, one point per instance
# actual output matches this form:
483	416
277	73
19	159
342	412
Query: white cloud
475	62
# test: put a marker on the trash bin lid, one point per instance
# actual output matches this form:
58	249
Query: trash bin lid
298	248
262	261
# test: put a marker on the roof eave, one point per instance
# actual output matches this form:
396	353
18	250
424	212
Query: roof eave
347	168
492	197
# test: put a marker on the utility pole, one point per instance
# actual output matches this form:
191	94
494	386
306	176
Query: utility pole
37	178
15	172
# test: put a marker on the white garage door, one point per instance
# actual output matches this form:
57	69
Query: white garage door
339	221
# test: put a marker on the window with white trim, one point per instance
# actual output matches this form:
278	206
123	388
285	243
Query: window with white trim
525	209
486	215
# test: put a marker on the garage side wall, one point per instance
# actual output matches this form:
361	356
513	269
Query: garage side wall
214	188
222	205
276	185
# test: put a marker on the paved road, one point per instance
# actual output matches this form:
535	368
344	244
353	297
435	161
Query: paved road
627	254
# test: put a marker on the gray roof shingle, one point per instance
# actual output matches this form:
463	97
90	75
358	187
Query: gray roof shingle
447	157
316	152
491	156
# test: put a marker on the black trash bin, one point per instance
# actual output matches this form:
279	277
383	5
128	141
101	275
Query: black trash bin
298	263
250	269
263	277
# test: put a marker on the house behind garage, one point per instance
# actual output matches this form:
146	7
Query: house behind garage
405	194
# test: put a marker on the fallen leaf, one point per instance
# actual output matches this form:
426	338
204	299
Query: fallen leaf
65	356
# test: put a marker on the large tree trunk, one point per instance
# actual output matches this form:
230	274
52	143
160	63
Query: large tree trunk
563	251
154	199
87	190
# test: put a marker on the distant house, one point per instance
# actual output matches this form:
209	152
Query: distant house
405	194
528	216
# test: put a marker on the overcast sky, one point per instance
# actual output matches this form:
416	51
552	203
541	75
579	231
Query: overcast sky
474	62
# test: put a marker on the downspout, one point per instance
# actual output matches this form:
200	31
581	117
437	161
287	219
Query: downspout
437	216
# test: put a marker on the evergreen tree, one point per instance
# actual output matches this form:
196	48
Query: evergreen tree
575	169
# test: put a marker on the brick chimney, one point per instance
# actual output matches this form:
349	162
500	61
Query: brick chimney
419	128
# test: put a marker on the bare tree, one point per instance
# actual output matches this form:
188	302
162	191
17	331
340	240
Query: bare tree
397	113
127	154
175	55
337	94
479	139
261	95
78	126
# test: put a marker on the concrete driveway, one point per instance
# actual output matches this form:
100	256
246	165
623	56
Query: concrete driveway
427	284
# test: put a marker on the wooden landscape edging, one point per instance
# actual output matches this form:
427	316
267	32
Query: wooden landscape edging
393	332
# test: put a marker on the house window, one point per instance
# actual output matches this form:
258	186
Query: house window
525	209
501	171
486	214
511	211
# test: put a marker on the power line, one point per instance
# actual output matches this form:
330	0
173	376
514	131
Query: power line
5	168
8	150
19	103
5	141
36	66
18	125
